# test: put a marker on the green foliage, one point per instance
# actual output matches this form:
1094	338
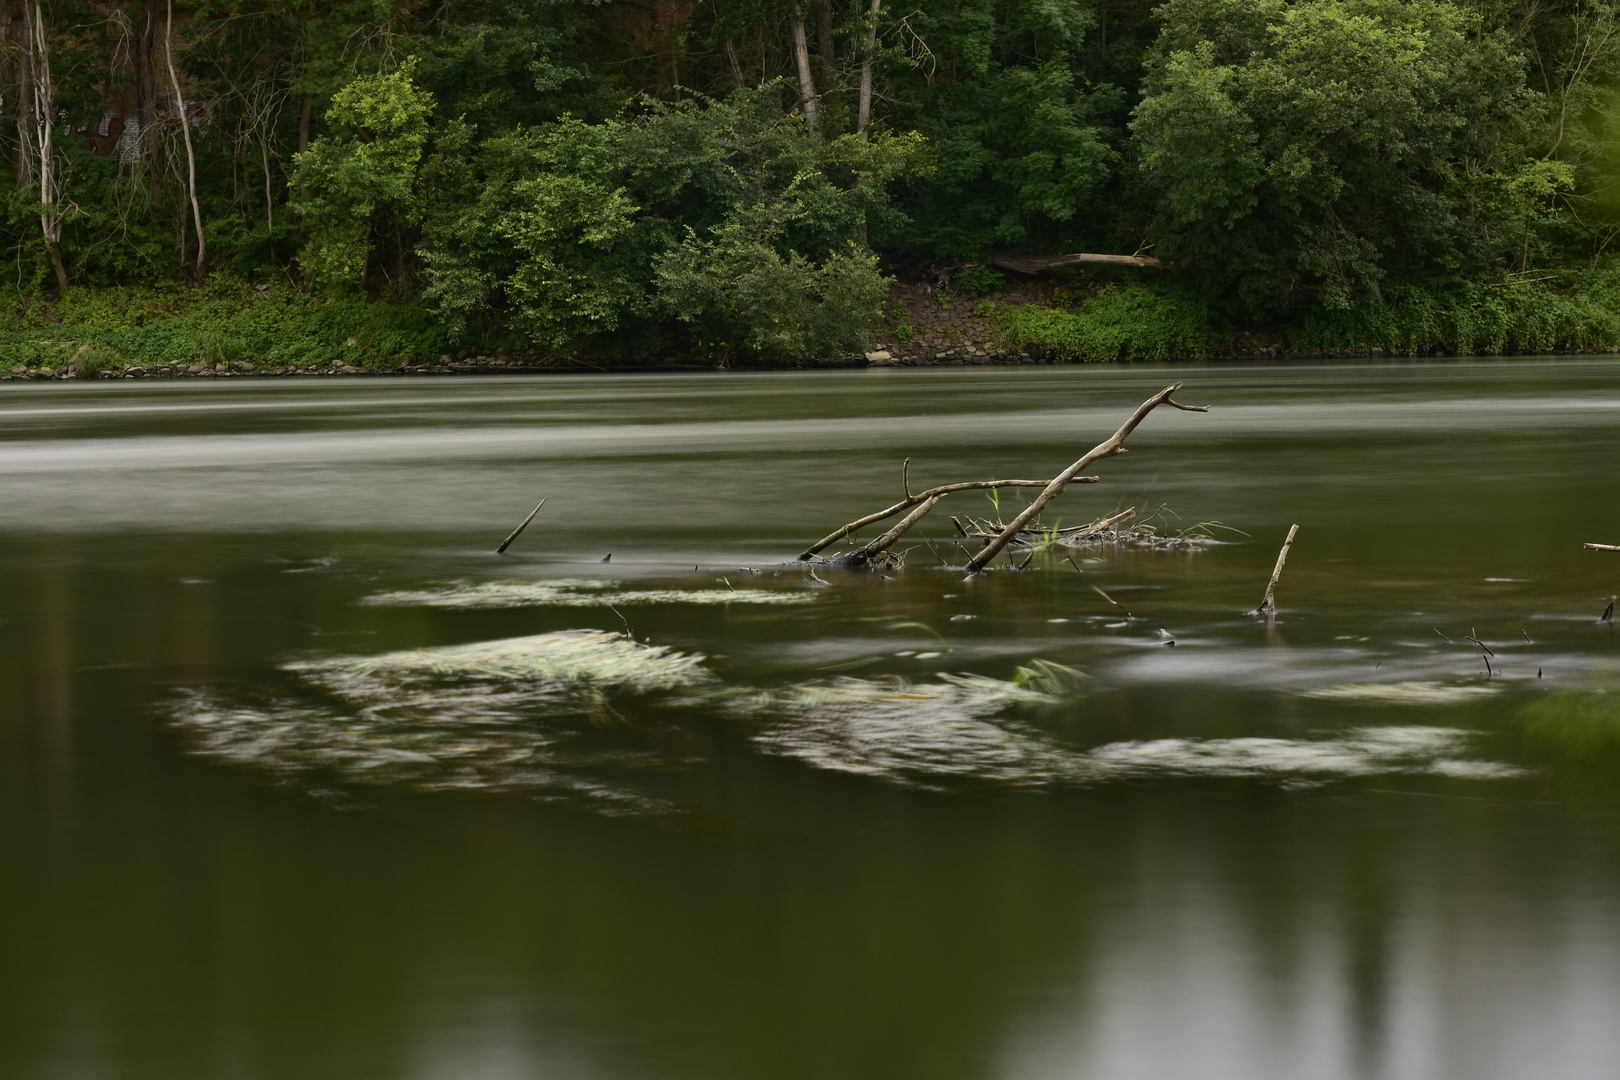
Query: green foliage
1576	732
1122	322
1306	148
979	278
739	294
1511	315
558	174
278	326
718	219
379	126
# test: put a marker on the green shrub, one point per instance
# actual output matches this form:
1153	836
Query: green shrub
1123	322
979	278
1506	316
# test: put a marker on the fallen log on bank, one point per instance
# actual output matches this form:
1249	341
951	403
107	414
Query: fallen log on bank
922	503
1034	264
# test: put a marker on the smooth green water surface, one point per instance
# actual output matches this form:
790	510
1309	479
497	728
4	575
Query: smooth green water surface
298	779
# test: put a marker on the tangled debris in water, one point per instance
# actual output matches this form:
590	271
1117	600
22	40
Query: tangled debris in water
1126	528
903	732
538	715
922	734
589	657
574	593
528	714
1367	751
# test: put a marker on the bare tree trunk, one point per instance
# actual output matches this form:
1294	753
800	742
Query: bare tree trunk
145	82
864	109
303	137
50	181
269	202
185	132
801	57
25	101
8	77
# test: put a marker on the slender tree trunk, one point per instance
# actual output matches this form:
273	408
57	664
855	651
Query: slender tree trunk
303	137
269	202
50	214
145	83
801	57
185	132
25	101
8	77
864	109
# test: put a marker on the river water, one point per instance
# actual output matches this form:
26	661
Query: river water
299	779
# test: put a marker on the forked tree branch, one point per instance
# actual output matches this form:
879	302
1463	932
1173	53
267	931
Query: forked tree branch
1112	446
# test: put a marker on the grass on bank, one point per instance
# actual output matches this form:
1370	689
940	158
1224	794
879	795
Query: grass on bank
278	326
224	321
1157	322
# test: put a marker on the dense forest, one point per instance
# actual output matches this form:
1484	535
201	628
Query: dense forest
740	181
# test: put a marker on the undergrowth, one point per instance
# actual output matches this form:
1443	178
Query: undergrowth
1510	316
1122	322
275	325
1158	322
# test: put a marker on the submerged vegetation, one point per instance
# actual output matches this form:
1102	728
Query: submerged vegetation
741	182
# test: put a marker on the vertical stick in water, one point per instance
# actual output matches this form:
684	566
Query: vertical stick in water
1268	606
519	530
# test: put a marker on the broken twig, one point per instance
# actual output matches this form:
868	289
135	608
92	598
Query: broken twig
1268	606
519	530
1601	547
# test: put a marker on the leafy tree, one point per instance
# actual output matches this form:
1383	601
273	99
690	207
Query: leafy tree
1316	147
366	166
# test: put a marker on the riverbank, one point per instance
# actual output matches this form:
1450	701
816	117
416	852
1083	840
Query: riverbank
239	329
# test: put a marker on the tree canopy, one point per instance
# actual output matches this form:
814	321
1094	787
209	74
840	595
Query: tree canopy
738	179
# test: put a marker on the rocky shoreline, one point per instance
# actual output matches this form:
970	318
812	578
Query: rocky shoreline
891	357
483	365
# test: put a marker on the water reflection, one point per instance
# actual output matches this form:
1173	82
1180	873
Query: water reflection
1209	900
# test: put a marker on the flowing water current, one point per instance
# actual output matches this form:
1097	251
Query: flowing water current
298	779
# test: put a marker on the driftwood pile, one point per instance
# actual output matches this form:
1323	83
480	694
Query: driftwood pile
998	536
1125	528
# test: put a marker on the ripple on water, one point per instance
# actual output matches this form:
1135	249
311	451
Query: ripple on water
1402	693
574	593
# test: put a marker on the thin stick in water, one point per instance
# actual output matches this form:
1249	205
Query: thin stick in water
519	530
1601	547
1268	606
1111	600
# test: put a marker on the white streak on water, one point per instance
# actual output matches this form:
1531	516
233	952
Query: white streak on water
564	593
